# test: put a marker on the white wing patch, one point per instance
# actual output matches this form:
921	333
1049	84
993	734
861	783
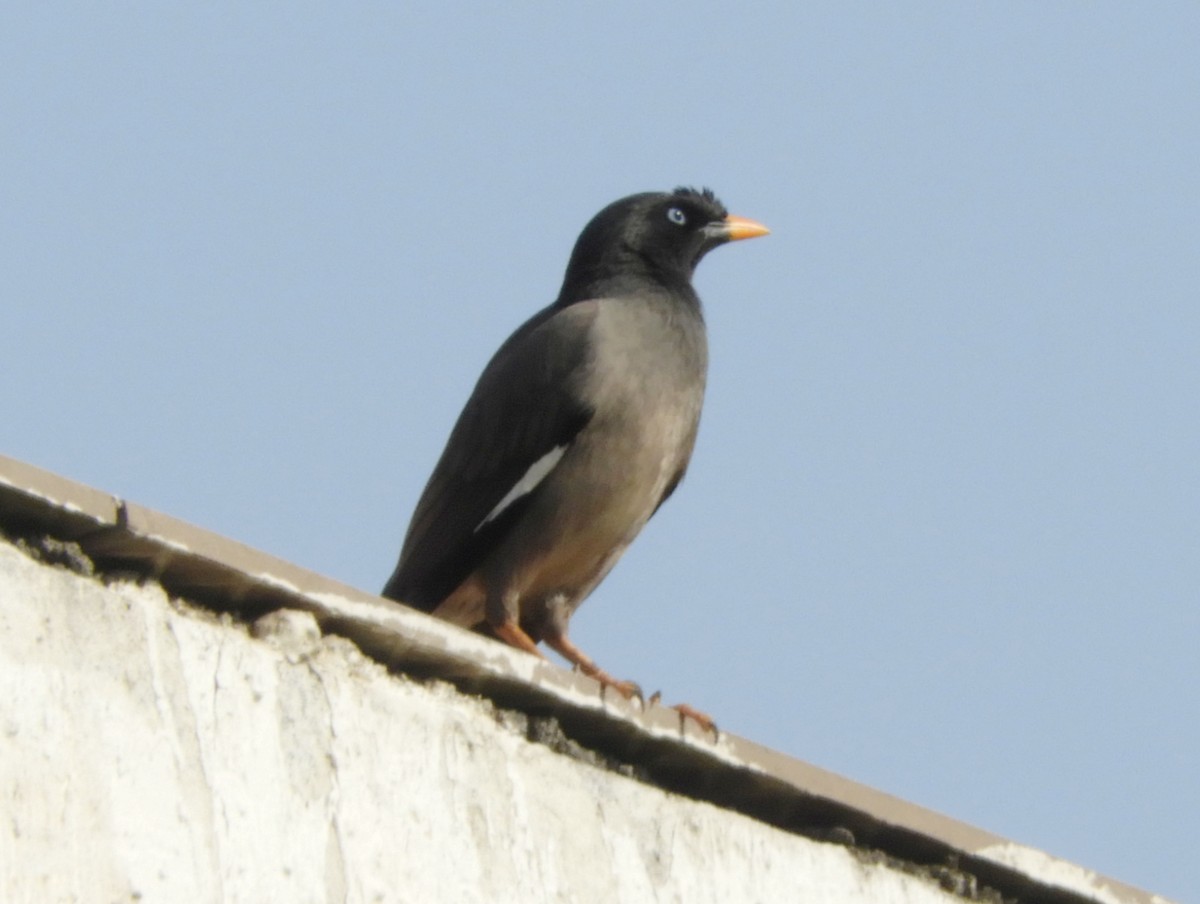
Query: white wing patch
537	472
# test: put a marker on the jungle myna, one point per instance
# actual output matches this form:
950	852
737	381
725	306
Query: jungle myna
579	428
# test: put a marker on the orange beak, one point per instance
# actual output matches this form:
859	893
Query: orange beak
742	228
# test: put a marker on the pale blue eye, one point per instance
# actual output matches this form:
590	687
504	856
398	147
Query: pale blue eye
677	216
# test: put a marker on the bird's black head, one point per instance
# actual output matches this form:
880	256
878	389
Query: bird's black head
655	237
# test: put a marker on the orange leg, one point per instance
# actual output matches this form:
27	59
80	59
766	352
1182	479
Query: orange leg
562	645
514	635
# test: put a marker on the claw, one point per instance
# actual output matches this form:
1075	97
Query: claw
702	719
627	689
584	663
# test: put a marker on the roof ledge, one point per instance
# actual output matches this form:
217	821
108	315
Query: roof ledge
653	743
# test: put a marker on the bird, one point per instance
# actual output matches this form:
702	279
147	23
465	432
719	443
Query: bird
579	428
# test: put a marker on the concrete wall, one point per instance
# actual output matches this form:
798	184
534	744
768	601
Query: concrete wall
154	752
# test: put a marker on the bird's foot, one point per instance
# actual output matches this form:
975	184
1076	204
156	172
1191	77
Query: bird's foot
627	689
561	644
704	720
686	712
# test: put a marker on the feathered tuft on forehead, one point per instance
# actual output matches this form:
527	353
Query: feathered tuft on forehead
703	195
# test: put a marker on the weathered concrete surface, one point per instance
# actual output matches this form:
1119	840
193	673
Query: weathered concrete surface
150	752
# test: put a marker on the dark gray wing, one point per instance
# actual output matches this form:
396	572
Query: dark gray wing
525	404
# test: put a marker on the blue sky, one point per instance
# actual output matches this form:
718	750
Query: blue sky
942	530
